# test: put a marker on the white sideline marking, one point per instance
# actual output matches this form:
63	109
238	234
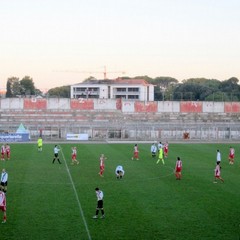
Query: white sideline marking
76	195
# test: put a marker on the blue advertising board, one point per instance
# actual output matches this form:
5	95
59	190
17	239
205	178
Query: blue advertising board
14	137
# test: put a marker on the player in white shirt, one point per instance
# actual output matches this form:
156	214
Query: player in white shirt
154	150
160	145
218	157
119	172
99	195
56	151
4	180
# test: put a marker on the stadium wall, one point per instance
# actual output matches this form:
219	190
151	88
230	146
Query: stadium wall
119	118
125	106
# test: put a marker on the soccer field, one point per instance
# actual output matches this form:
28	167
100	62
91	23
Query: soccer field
58	201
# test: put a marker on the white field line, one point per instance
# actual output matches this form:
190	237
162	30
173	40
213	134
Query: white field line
77	198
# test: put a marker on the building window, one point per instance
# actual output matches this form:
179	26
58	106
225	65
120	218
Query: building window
121	89
120	96
109	92
133	97
133	89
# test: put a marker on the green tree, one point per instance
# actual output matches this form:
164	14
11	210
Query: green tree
63	92
23	87
13	87
163	87
91	78
27	86
147	78
197	89
230	88
38	92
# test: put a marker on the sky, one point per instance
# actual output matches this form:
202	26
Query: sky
63	42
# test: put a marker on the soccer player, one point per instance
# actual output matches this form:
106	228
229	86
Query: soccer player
160	156
178	169
3	150
56	155
99	195
119	172
218	157
217	172
231	156
153	150
3	205
135	152
4	180
8	151
165	149
40	144
102	165
74	156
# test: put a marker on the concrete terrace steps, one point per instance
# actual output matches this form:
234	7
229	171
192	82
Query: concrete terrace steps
102	118
60	116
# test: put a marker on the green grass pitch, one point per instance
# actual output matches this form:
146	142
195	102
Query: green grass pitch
53	201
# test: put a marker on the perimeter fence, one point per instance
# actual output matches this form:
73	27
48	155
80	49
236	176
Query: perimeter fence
136	132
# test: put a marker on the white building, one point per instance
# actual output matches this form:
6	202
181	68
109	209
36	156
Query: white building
130	89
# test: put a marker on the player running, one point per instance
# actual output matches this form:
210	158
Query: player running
217	172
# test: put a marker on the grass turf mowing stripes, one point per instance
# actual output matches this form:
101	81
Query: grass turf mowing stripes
147	204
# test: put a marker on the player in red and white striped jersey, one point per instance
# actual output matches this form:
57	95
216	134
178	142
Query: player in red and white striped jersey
231	155
178	169
74	156
3	205
217	173
3	151
135	152
102	165
8	151
165	149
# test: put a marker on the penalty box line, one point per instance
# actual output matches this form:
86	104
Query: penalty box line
76	195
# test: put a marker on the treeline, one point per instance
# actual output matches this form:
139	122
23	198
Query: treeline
165	89
196	89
